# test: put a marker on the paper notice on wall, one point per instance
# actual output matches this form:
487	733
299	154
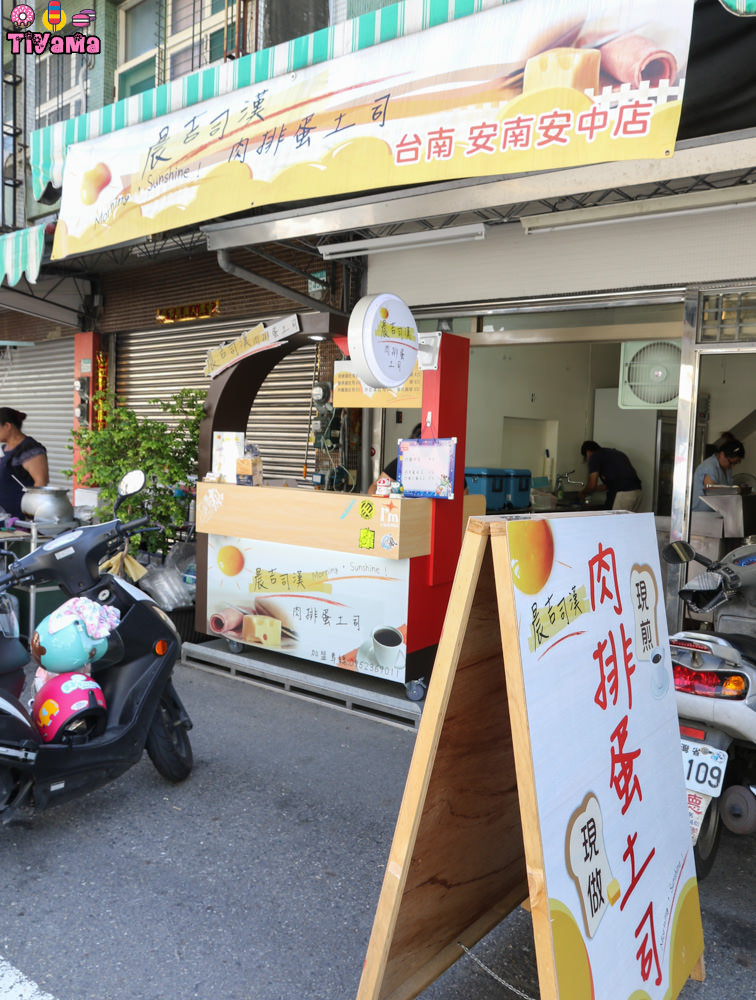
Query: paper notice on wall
228	448
349	390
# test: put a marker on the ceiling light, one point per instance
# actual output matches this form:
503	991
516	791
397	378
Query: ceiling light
404	241
656	208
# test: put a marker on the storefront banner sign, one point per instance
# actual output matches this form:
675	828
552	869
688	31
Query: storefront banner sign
327	607
186	313
349	390
600	705
259	338
528	86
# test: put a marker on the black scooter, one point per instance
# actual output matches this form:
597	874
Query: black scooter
143	708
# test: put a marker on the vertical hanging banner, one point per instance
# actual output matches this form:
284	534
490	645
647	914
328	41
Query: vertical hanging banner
531	85
591	655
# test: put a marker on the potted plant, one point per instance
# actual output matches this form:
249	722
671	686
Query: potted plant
165	449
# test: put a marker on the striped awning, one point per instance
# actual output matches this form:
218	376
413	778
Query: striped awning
50	145
21	253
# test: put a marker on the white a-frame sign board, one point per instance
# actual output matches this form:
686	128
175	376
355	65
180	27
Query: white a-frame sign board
547	765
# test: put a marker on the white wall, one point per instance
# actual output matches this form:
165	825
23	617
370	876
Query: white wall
556	382
398	424
712	246
540	382
729	381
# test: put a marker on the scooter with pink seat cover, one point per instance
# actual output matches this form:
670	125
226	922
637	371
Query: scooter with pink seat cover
106	660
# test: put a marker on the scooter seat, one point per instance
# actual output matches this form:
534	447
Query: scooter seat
745	644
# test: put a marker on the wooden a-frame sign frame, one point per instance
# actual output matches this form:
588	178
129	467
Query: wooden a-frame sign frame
467	848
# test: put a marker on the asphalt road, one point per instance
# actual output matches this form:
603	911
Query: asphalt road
258	878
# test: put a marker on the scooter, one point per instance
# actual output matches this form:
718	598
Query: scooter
715	684
112	698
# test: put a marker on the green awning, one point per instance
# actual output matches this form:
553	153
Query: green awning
50	145
21	253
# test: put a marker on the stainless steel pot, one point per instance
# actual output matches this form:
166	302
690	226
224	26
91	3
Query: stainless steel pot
48	506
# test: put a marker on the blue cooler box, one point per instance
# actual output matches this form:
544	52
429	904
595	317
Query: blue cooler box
504	489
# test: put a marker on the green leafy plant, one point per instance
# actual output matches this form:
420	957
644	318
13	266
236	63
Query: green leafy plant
165	448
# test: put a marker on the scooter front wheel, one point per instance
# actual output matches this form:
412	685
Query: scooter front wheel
707	844
168	743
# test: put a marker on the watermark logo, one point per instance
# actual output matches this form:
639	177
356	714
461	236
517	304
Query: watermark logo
53	19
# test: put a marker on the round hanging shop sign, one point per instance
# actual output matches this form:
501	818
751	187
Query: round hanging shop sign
382	338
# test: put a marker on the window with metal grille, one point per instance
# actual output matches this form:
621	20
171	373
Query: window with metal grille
728	317
219	41
185	60
192	38
140	29
357	7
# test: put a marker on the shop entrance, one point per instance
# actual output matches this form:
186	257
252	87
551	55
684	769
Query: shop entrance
543	382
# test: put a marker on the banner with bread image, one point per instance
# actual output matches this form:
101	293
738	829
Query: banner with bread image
332	608
520	87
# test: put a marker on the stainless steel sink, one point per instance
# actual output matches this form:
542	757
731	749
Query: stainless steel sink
571	501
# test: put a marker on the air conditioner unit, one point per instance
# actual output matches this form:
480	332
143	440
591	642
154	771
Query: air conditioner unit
649	375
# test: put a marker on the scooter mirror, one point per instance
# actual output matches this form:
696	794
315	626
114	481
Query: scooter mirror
678	552
131	483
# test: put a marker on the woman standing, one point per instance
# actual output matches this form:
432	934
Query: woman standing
23	462
716	470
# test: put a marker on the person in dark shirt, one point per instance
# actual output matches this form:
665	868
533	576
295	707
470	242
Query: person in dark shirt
392	466
611	470
23	462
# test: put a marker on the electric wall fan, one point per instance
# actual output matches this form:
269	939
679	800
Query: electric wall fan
649	375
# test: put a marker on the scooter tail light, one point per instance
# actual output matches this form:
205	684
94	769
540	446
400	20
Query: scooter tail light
710	683
691	733
690	644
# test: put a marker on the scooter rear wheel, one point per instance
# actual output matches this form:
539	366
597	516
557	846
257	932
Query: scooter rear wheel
168	743
705	849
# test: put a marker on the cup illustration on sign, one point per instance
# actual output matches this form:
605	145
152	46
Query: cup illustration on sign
387	641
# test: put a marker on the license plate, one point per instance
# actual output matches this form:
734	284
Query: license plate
704	767
697	806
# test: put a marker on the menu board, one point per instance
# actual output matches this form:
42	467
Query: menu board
426	467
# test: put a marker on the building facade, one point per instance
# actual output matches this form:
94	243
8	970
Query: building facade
274	259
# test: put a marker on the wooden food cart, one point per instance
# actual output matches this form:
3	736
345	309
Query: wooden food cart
340	579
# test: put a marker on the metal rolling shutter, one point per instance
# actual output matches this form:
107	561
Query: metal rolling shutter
156	364
39	382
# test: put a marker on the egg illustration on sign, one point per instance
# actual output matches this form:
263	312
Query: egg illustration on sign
230	560
531	552
94	182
